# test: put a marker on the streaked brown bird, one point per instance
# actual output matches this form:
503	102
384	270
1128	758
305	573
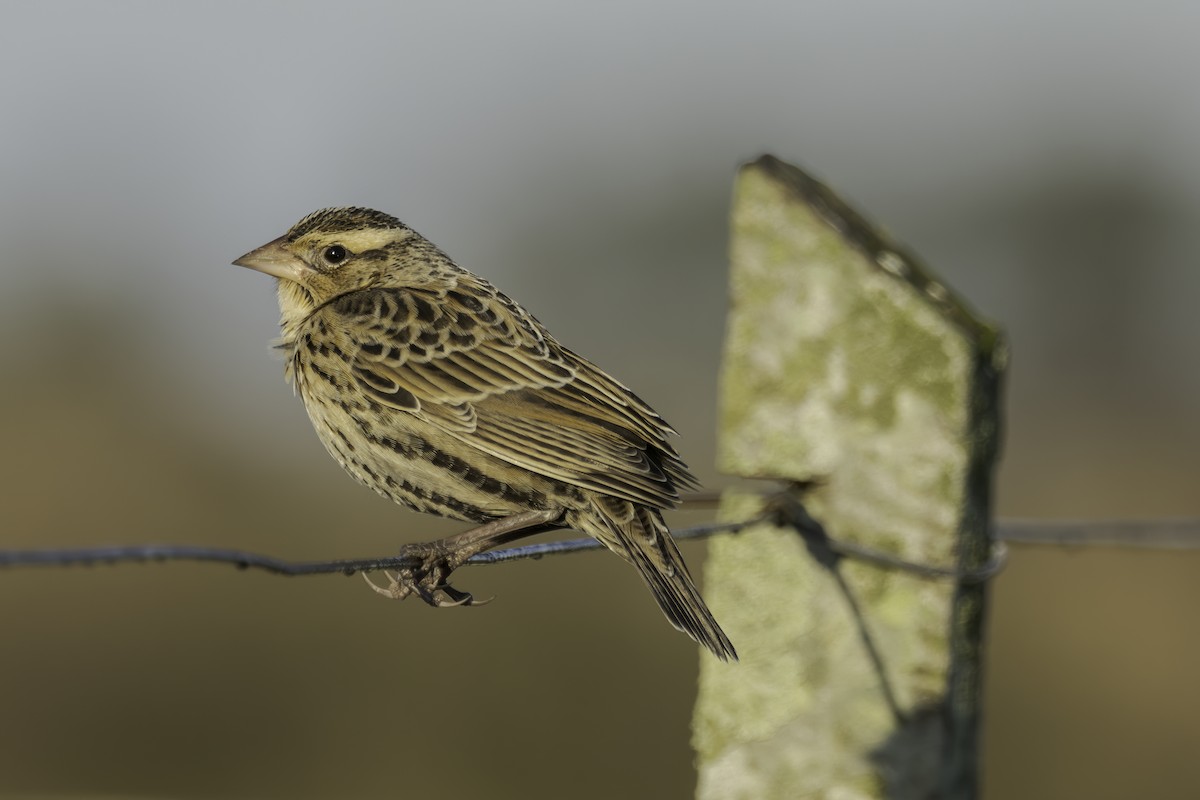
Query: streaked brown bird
438	391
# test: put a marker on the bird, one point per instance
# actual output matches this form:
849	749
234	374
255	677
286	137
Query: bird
435	389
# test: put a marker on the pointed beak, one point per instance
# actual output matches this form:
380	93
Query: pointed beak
276	260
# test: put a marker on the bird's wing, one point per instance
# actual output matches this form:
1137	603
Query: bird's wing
476	365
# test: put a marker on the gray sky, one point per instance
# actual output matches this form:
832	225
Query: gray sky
1039	156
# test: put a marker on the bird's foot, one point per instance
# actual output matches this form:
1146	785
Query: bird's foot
432	562
427	580
401	585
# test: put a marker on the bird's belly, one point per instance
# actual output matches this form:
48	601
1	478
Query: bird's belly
417	465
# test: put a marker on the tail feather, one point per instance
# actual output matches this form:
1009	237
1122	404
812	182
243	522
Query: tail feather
640	536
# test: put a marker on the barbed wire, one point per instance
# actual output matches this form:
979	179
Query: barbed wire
1165	533
1168	533
118	554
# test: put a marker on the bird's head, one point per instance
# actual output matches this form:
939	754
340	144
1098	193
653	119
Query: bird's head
335	251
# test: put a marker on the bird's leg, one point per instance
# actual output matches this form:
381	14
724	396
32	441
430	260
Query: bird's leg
436	560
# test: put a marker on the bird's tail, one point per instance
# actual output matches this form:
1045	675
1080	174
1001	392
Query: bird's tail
640	536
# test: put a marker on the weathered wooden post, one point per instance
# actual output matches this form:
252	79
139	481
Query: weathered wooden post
847	364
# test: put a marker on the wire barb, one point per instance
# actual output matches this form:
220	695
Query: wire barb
790	511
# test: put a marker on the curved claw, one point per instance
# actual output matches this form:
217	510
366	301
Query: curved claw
397	591
446	596
439	596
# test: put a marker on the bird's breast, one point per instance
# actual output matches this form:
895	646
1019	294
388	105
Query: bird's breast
405	457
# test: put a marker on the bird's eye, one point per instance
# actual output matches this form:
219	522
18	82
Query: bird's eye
335	254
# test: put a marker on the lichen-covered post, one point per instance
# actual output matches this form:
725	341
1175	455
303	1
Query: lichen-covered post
847	364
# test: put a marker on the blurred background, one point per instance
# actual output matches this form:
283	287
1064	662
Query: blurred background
1040	157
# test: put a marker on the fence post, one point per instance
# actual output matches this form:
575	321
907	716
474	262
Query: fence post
848	365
